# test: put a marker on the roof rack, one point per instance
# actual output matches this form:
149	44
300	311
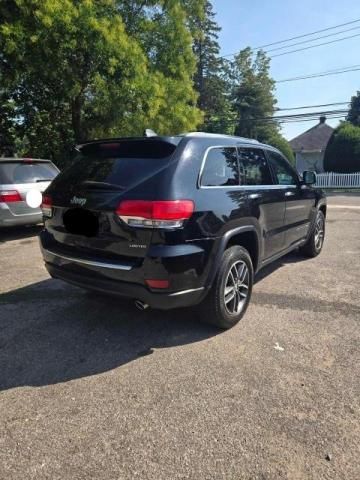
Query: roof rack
220	135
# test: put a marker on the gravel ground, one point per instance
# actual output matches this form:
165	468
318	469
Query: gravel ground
90	388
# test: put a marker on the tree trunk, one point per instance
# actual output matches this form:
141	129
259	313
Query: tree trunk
76	118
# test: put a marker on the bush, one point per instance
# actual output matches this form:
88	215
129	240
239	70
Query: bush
279	142
342	154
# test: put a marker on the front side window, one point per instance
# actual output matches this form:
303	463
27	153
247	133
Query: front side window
221	168
254	169
283	172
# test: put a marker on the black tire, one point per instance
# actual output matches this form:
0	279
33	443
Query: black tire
214	309
314	245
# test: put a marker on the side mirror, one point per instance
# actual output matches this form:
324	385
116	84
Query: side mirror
309	178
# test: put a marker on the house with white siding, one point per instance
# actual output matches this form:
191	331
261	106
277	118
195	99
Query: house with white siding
309	147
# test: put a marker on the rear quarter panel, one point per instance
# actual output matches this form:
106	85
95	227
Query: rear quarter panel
218	211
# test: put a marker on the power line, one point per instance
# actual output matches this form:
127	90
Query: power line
309	34
314	46
309	120
310	116
280	109
296	120
337	69
289	122
320	74
312	106
312	39
282	122
298	36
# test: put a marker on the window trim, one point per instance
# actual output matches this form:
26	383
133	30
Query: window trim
267	186
203	163
296	174
273	186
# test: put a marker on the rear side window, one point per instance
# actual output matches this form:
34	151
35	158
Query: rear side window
221	168
26	172
254	169
283	172
122	163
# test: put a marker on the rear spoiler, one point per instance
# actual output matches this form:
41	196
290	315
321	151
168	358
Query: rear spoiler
175	140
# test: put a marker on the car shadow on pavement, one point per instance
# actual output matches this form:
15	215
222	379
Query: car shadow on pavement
51	332
293	257
17	233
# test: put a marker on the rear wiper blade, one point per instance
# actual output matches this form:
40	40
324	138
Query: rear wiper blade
102	185
43	180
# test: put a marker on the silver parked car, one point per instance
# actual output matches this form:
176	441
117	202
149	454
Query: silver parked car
21	180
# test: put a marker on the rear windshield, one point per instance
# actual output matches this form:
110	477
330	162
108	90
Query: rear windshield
20	172
123	164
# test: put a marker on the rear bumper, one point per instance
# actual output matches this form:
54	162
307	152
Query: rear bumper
8	219
163	301
125	276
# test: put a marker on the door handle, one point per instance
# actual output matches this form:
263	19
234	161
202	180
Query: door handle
255	195
289	194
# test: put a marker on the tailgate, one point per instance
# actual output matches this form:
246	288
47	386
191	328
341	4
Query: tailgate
86	195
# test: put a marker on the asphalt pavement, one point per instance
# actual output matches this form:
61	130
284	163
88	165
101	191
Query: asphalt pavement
91	388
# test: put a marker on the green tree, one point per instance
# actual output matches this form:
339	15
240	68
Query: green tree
253	95
210	77
254	102
166	30
342	153
74	70
8	115
8	136
354	112
279	142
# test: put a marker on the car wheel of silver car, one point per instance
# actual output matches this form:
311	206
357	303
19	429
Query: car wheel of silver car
230	294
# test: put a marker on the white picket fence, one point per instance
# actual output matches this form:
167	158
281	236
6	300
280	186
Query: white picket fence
338	180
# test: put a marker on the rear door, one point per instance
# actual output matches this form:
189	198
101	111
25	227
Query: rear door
86	195
222	199
266	200
299	199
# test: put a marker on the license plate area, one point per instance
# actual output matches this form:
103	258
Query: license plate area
79	221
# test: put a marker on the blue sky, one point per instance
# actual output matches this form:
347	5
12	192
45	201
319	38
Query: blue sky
258	22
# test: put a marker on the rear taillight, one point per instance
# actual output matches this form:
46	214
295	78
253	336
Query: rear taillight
10	196
46	206
157	284
155	214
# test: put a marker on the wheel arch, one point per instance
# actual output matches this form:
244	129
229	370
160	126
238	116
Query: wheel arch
247	237
323	208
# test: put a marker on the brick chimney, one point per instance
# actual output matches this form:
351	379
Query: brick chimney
322	119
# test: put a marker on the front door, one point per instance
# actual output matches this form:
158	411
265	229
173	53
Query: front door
266	200
299	199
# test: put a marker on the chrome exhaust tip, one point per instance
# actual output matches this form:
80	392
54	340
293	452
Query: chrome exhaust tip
141	305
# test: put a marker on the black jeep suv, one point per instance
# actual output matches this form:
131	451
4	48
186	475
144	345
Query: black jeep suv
178	221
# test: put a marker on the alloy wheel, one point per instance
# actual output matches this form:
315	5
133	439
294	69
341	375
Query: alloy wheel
236	288
319	232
